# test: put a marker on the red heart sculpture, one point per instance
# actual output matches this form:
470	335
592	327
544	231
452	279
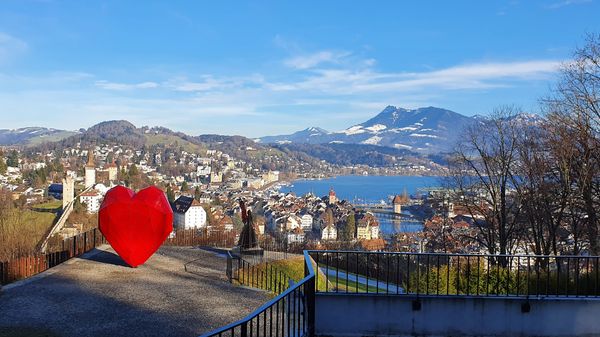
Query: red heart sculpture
135	225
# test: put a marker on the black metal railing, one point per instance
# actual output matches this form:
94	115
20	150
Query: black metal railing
291	313
262	275
458	274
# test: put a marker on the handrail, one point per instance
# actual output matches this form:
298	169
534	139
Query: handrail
306	281
402	273
452	254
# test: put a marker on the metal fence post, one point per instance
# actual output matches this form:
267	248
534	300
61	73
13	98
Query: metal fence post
229	267
244	329
309	291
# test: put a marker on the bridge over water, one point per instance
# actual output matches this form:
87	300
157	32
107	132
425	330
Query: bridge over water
386	212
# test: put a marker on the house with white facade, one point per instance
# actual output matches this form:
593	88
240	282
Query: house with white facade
92	200
329	232
307	222
296	235
188	213
293	222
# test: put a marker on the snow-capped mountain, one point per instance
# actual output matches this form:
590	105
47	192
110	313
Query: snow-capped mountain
304	136
30	135
424	130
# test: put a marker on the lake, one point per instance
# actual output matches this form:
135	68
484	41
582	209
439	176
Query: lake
368	189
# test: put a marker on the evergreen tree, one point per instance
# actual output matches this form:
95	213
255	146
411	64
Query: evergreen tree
170	194
13	159
2	165
197	193
133	170
184	186
329	220
349	231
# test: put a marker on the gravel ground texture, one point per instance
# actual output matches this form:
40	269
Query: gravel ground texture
98	295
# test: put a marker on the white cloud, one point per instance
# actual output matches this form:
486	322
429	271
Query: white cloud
125	86
10	47
463	77
210	83
565	3
312	60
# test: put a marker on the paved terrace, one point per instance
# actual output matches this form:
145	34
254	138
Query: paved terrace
98	295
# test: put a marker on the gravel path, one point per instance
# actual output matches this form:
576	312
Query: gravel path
97	295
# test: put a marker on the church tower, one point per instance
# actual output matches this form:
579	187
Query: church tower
332	196
90	170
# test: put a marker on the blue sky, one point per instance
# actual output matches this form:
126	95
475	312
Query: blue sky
271	67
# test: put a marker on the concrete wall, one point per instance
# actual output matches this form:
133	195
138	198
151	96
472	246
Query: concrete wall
376	315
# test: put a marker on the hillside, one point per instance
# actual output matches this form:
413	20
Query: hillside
32	135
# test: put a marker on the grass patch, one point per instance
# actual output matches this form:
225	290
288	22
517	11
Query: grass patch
338	282
262	275
353	287
22	230
153	139
50	205
55	137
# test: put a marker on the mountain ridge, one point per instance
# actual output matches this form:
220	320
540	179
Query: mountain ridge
423	130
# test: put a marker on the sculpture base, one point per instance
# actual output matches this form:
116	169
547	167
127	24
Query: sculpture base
256	251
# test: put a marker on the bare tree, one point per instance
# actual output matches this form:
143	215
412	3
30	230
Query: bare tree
574	109
543	185
482	172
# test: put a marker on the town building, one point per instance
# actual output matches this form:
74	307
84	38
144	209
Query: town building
295	235
188	213
367	226
293	222
226	223
92	200
307	222
216	177
329	233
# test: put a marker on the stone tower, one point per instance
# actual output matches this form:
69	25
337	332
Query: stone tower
90	170
332	196
397	202
68	190
112	172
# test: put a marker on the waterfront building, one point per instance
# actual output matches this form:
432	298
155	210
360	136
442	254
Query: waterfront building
332	196
397	202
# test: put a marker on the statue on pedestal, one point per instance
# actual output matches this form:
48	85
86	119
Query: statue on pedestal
248	239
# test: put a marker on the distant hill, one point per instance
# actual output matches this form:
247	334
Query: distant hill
32	135
161	140
308	136
351	154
